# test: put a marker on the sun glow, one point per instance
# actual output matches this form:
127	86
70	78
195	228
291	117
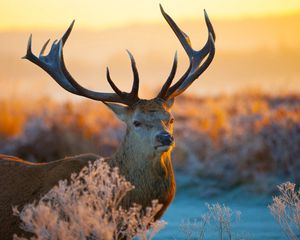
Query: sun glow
95	14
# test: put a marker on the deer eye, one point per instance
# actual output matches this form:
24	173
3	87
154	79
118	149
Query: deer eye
137	123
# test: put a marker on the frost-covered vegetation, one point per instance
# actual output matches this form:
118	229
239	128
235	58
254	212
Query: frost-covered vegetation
219	221
286	210
248	139
88	207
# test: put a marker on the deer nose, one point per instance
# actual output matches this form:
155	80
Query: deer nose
164	138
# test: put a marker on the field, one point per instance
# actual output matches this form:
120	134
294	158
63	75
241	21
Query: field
237	128
244	139
228	146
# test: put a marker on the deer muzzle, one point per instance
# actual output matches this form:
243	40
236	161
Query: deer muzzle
164	138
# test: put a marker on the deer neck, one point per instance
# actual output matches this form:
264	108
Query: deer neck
131	158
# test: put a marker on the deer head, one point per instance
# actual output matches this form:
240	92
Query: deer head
149	122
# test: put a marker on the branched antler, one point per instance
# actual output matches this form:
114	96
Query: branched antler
195	57
54	65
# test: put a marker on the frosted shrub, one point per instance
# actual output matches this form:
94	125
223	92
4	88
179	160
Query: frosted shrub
222	218
218	217
195	229
286	210
89	208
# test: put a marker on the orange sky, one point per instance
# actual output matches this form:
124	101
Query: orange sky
97	14
253	52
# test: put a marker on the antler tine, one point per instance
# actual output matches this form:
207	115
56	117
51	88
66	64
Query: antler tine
183	38
54	65
44	47
67	33
136	81
209	26
195	57
112	84
29	55
28	49
170	78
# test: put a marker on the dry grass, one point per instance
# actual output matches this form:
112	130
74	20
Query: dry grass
241	139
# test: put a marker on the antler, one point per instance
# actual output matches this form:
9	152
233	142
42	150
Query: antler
195	57
55	66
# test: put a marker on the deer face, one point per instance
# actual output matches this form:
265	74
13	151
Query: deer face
149	125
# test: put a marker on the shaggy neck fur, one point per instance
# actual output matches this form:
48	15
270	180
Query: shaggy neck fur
137	159
152	174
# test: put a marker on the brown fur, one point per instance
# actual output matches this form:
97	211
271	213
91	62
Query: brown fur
149	170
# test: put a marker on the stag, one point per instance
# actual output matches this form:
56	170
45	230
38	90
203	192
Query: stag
143	157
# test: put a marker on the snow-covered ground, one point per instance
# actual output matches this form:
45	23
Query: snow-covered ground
255	222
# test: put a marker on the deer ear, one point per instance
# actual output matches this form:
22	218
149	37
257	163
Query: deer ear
170	103
119	110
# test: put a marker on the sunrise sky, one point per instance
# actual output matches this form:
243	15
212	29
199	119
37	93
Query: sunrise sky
97	14
257	43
